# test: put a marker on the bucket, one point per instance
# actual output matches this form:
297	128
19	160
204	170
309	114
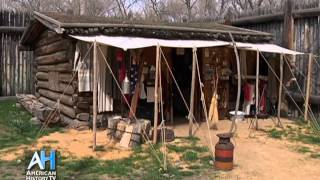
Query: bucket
239	117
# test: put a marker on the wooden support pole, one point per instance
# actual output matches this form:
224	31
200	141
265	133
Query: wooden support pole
287	42
156	90
193	83
257	88
94	126
306	104
280	85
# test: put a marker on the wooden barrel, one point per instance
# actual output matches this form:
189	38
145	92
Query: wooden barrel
224	152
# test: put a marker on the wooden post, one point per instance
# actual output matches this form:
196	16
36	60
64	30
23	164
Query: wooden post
193	82
288	42
280	85
306	104
94	126
257	87
156	90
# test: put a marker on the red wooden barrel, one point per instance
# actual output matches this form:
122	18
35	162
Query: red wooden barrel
224	152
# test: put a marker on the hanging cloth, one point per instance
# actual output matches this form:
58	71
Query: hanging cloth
105	98
83	65
133	77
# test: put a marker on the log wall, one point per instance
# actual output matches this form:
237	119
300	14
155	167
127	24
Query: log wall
54	56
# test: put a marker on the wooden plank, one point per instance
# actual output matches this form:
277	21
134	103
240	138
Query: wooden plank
94	126
257	88
55	58
156	90
126	137
306	104
193	83
280	86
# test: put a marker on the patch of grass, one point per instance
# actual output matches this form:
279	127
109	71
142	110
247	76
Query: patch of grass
315	155
190	156
308	139
16	127
175	148
304	149
277	134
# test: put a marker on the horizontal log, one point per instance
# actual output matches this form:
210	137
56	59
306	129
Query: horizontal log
42	76
38	109
302	13
69	111
55	58
73	123
85	99
62	87
83	116
6	29
54	47
65	99
80	110
48	37
62	67
66	77
83	105
63	77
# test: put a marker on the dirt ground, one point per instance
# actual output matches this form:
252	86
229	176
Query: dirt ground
256	156
73	143
260	157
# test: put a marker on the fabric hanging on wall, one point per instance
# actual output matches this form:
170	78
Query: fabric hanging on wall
133	77
105	98
143	94
248	90
150	93
84	66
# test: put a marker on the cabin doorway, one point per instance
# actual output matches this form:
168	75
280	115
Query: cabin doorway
182	71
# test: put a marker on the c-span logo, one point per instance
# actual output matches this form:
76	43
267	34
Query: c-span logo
42	167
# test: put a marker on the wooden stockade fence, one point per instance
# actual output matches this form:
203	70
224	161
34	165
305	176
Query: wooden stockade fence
306	38
16	67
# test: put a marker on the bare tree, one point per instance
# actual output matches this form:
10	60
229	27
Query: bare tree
189	6
124	7
155	4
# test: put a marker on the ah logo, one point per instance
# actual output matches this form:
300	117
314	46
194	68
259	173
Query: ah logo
42	159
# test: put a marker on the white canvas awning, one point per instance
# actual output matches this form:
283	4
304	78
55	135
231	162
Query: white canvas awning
271	48
126	43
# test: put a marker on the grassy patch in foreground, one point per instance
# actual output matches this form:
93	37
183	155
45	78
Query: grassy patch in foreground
300	133
141	165
15	126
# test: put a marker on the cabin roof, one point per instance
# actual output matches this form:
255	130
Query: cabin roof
90	25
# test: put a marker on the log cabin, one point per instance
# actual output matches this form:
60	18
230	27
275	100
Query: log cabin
64	54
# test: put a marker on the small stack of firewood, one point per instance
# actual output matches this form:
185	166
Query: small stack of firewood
126	132
49	115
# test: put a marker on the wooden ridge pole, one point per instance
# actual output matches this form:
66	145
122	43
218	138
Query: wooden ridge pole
306	104
94	126
257	88
156	90
280	86
193	82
